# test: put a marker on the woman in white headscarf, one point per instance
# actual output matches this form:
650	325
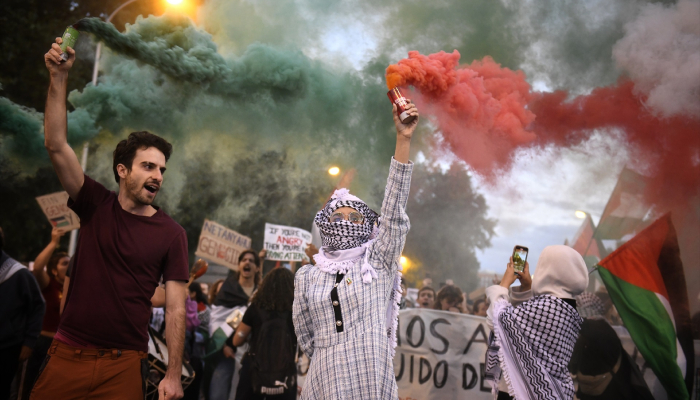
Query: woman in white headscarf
346	306
535	327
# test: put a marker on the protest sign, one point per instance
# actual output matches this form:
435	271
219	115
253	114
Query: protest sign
55	207
440	355
221	245
285	243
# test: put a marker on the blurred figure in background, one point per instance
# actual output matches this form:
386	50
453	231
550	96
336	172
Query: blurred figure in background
405	301
222	359
449	298
603	368
21	316
426	297
214	290
479	308
50	268
273	343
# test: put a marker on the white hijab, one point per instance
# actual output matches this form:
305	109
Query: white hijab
560	272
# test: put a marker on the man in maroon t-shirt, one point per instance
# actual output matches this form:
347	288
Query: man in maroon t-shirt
125	245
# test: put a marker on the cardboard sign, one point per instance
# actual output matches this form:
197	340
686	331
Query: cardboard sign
285	243
440	355
55	207
221	245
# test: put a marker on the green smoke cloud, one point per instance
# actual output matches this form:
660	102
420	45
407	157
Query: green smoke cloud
22	134
21	129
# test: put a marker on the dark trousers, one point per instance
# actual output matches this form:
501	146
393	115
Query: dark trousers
9	360
34	363
245	387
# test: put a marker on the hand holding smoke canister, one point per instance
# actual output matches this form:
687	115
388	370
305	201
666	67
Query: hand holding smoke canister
397	98
70	37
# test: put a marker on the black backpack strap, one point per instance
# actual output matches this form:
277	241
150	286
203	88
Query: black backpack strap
335	300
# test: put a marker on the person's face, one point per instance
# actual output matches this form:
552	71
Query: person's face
205	288
247	267
62	268
404	292
426	299
428	282
481	309
346	213
145	178
446	304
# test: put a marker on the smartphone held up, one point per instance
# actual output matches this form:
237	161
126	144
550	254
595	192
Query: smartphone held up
519	258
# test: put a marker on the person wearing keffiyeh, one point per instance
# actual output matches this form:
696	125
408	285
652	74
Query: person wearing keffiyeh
532	339
346	306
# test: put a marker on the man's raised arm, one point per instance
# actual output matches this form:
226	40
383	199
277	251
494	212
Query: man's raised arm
63	158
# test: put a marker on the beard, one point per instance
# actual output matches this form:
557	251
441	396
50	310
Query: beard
135	190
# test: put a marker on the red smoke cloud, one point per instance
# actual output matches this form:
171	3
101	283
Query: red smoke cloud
480	108
486	112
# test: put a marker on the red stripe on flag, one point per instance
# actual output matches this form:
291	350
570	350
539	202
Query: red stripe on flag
635	262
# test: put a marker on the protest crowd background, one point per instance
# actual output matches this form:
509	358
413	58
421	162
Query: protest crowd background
270	108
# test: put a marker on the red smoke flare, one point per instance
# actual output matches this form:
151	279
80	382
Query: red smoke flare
486	112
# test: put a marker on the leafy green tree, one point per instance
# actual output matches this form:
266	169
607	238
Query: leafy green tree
27	231
252	191
29	27
448	224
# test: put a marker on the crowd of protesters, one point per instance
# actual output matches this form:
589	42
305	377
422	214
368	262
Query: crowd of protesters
37	294
240	337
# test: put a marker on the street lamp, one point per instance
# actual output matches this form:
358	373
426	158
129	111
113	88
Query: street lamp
581	214
334	171
403	261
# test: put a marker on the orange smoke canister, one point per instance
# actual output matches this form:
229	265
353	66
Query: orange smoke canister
397	98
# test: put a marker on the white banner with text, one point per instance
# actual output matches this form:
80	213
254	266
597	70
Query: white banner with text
285	243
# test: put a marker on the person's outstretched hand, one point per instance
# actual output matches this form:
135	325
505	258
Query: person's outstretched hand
525	278
509	276
54	62
406	130
56	234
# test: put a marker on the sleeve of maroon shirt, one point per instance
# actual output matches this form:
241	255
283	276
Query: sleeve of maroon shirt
90	196
176	266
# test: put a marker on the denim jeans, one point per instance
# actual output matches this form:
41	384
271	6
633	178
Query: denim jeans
220	386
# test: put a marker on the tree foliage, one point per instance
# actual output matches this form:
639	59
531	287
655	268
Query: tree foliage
448	224
26	229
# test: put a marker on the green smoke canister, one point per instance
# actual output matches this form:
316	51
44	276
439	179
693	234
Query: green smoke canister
70	36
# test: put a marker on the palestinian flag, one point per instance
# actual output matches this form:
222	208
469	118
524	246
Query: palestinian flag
626	207
645	280
585	243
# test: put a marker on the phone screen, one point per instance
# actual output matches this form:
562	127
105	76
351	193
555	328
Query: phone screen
519	258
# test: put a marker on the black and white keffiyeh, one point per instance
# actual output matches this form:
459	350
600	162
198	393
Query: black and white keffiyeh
345	235
531	346
589	305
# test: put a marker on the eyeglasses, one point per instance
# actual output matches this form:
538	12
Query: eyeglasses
354	217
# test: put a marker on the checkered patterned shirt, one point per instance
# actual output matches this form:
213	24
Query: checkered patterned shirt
355	363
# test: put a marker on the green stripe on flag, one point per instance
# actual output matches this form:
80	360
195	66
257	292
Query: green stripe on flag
651	328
